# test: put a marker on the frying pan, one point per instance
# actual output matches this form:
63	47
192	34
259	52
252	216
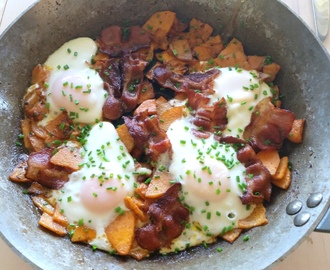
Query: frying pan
265	28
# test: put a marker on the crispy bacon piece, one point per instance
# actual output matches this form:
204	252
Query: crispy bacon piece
257	178
110	73
177	82
168	218
133	66
269	126
147	134
115	40
41	170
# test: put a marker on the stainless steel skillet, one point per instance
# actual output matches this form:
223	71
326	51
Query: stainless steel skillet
266	28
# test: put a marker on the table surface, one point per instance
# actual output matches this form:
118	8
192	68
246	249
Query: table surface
314	253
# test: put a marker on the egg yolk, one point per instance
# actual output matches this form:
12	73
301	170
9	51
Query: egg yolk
102	197
72	91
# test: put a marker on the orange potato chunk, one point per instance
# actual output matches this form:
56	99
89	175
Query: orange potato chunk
257	218
285	182
121	232
18	174
270	159
58	217
159	184
281	169
125	137
83	234
131	205
43	205
256	62
181	49
232	235
67	157
148	105
47	222
296	133
169	116
271	69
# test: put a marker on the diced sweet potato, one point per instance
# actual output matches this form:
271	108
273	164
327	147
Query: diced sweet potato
169	116
37	189
237	59
159	184
58	216
232	235
257	218
270	159
137	252
26	130
281	169
181	49
147	92
39	75
47	222
60	126
162	105
272	70
296	133
147	105
125	137
201	30
233	47
18	174
210	49
285	182
68	157
83	234
256	62
131	205
39	131
121	231
43	205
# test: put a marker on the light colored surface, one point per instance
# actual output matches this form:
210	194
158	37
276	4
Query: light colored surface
314	253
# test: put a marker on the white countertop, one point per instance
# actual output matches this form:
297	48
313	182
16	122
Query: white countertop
314	253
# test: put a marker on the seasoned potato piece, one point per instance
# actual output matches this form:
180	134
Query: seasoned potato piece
137	252
181	49
60	127
296	133
237	59
271	69
159	184
43	205
270	159
68	157
210	49
169	116
232	235
281	169
125	137
257	218
148	105
233	47
284	182
58	217
162	105
256	62
26	130
18	174
121	231
200	30
47	222
83	234
131	205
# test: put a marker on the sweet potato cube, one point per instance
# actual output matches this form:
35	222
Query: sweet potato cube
58	216
125	137
83	234
285	182
137	252
47	222
148	105
159	184
237	59
232	235
296	133
256	62
200	30
160	20
131	205
162	105
67	157
257	218
43	205
18	174
272	70
232	47
121	232
282	168
270	159
147	92
210	49
39	75
26	130
181	49
60	126
169	116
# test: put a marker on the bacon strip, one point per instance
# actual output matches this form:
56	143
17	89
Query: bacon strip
168	218
41	170
269	126
115	40
147	134
258	178
177	82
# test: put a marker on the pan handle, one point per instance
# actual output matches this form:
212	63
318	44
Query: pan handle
324	225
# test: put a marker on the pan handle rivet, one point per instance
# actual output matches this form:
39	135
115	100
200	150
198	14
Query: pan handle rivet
301	219
314	199
294	207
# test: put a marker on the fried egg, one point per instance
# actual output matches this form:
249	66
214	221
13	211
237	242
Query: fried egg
212	182
94	195
72	85
242	91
